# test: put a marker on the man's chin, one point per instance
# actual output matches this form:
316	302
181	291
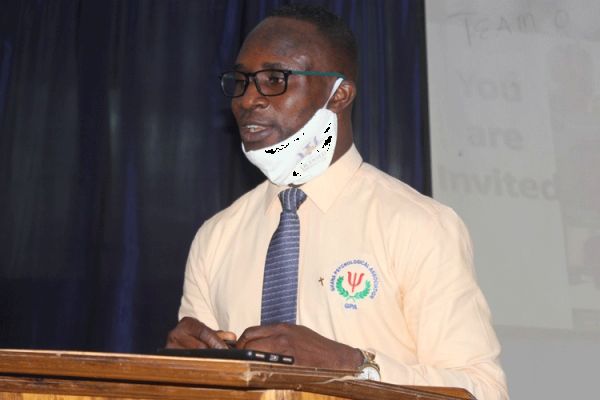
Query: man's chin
251	145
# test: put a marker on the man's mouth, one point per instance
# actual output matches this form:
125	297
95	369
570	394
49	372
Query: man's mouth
253	133
254	128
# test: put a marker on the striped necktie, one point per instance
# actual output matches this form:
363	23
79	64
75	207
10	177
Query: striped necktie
280	284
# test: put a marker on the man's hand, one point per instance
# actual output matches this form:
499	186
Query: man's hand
193	334
306	346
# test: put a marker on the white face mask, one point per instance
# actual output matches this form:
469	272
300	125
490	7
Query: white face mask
304	155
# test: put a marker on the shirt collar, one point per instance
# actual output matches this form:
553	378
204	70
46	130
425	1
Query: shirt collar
324	189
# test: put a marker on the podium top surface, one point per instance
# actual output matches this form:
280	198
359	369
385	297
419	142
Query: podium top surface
208	373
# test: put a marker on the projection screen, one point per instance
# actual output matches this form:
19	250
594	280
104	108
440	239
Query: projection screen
514	103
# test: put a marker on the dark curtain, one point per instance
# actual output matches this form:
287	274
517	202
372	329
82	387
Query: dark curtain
116	144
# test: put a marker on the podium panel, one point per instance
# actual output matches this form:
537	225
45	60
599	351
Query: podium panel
69	375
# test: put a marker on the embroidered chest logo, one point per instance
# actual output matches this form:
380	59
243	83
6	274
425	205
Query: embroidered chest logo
354	280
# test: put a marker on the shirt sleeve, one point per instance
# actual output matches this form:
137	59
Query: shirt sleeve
195	301
447	316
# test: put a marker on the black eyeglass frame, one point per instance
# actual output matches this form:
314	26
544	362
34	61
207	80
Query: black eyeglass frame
286	73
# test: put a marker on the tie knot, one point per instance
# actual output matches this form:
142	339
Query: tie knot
291	199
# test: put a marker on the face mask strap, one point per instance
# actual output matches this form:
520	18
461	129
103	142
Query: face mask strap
335	87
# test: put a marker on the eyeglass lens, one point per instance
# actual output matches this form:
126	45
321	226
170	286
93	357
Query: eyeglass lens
268	82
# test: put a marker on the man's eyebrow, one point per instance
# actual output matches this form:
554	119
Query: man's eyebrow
240	67
274	66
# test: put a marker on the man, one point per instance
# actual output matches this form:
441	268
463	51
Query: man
383	278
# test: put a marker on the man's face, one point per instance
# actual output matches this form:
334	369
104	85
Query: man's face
281	43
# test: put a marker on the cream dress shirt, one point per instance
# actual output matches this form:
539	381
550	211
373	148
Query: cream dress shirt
382	268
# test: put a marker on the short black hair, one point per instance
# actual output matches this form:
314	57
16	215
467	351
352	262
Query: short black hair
335	30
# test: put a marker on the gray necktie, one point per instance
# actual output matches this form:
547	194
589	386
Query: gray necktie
280	285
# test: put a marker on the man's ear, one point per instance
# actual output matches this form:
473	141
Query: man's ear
343	97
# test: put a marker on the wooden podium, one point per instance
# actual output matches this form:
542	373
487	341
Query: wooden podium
68	375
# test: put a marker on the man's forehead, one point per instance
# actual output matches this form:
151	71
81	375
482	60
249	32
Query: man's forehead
273	55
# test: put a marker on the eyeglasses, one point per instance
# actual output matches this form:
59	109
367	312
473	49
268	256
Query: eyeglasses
268	82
